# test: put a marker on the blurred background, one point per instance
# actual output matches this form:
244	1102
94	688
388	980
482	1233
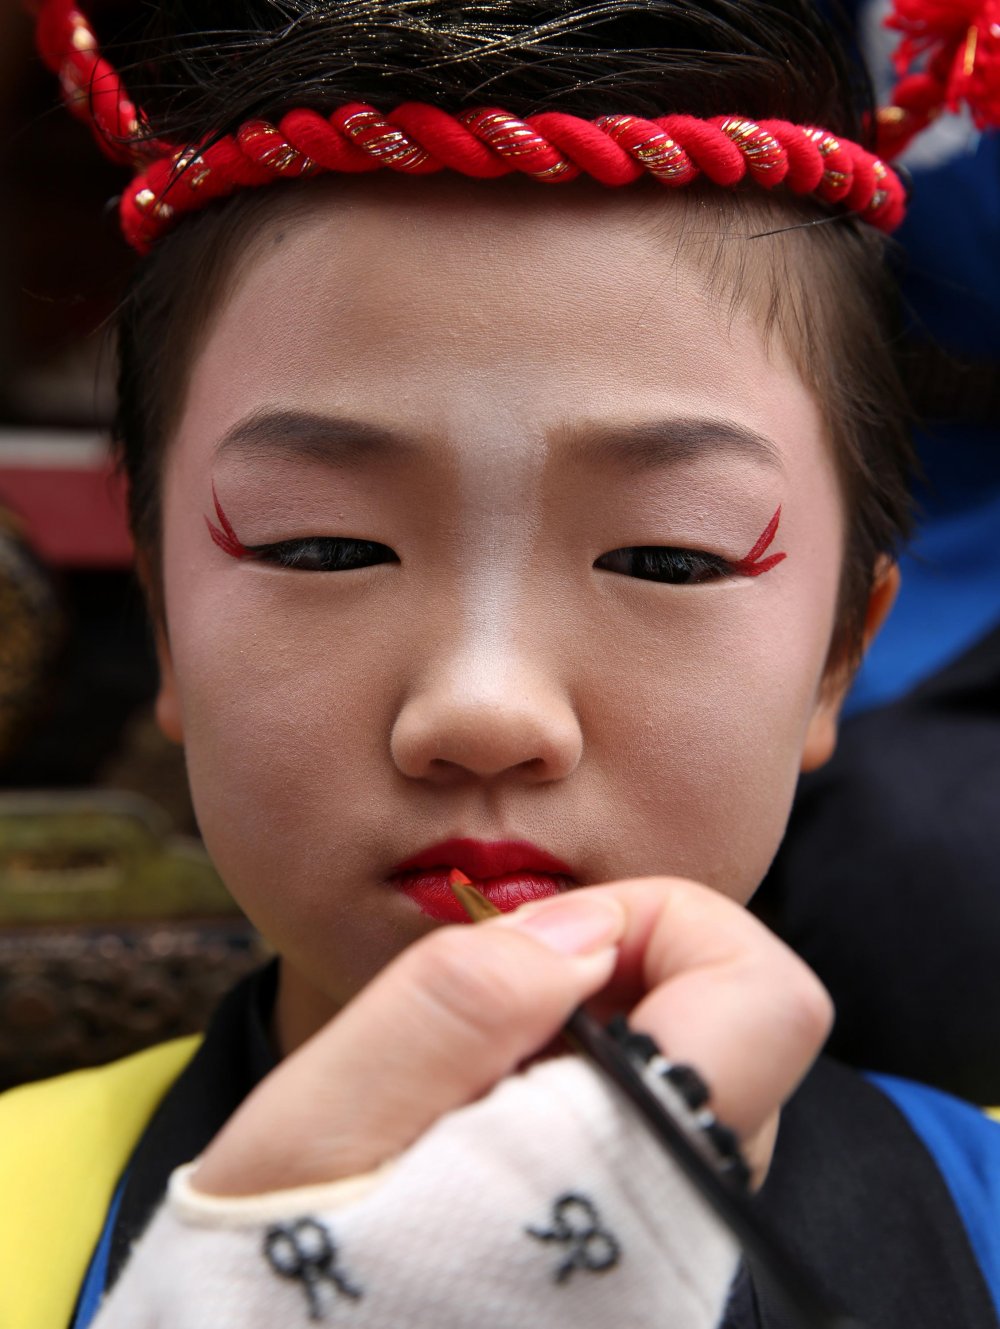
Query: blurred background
114	930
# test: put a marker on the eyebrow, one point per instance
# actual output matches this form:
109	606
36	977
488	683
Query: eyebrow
296	435
654	443
345	441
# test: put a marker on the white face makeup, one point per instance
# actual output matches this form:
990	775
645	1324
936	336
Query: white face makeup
505	398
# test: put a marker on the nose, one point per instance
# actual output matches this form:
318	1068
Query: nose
486	720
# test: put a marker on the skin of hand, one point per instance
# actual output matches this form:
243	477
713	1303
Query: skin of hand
465	1006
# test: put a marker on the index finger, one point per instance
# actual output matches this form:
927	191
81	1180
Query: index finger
718	990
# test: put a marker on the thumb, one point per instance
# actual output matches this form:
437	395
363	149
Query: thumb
448	1019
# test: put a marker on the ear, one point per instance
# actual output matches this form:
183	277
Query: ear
821	736
167	708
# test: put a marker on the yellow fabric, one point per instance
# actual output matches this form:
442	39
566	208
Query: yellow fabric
994	1113
63	1144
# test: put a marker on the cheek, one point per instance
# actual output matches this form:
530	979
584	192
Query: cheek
706	717
285	707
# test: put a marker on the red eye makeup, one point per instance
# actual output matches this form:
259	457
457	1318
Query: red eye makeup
310	554
754	564
223	535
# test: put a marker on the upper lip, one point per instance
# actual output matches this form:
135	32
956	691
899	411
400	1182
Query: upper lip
481	858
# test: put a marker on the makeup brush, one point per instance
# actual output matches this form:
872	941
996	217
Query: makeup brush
765	1251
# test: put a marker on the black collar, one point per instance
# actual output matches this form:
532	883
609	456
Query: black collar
235	1056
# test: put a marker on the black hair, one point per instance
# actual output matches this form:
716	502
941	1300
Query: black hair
203	67
200	68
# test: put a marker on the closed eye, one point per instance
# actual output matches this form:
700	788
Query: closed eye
314	553
323	553
675	567
690	567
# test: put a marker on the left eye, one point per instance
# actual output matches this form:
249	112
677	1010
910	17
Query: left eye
676	567
324	554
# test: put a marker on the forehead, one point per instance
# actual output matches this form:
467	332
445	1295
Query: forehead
446	307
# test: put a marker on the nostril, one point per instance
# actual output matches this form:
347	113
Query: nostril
535	768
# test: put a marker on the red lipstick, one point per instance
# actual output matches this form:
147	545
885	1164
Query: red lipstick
508	872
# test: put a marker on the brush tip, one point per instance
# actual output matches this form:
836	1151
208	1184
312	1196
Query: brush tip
475	904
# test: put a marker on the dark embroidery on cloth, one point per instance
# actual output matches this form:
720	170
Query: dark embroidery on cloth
304	1250
577	1225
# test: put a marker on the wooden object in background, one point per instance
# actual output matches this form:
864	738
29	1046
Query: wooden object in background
114	934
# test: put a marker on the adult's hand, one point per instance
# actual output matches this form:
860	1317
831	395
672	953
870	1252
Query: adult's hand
464	1006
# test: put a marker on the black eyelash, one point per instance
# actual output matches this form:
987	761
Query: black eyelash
673	567
326	553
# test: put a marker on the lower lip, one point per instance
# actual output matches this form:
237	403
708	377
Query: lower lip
430	892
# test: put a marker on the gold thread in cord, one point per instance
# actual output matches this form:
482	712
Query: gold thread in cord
971	44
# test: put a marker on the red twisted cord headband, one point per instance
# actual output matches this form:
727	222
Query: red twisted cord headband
552	147
416	139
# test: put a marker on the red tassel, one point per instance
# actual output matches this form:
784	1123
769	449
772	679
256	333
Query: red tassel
958	44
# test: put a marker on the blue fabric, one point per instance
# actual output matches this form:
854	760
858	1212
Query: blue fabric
950	596
965	1144
93	1285
951	278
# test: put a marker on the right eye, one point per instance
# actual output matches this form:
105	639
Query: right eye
322	553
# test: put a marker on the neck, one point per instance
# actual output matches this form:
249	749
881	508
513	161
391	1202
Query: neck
300	1010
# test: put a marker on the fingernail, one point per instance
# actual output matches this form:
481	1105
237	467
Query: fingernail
571	924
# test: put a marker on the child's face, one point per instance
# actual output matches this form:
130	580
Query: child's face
531	384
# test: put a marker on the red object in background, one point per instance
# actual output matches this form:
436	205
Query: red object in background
64	491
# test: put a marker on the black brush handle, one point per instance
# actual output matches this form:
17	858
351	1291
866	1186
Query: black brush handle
765	1251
